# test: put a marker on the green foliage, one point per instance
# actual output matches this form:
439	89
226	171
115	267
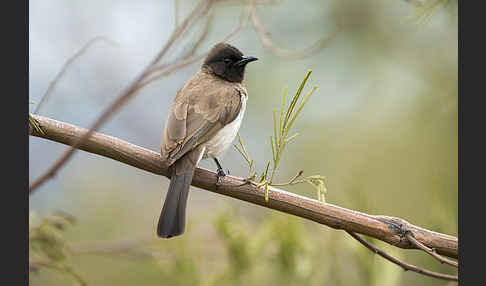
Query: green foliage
237	242
242	150
281	133
425	8
273	249
278	142
185	267
287	235
319	183
47	245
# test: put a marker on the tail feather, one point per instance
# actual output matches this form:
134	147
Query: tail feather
172	220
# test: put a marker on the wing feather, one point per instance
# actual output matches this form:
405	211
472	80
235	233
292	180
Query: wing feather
202	107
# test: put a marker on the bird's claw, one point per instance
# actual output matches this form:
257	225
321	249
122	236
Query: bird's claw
220	174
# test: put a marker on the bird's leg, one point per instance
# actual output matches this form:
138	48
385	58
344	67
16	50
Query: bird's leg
221	172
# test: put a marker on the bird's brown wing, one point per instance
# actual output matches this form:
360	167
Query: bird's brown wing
202	107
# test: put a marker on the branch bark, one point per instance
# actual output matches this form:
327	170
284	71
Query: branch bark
430	251
391	230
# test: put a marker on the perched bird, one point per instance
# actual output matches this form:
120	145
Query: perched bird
202	123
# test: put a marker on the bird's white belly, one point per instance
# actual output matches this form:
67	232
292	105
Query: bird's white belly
223	139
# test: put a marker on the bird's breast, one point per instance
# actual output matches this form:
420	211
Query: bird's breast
217	145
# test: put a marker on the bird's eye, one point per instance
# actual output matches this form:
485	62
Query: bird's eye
227	61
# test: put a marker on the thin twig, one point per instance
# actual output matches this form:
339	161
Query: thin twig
291	181
400	263
172	69
189	54
283	53
120	101
430	251
196	14
244	19
128	94
203	35
66	65
176	13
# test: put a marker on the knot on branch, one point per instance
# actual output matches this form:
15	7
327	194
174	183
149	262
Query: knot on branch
397	226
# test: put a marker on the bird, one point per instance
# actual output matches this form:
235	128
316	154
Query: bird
203	121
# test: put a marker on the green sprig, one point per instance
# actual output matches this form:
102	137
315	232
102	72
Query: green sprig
279	139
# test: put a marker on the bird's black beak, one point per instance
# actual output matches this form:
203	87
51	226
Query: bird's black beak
244	61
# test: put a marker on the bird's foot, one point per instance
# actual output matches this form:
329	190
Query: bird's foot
220	174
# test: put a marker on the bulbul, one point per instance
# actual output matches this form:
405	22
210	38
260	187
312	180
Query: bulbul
202	123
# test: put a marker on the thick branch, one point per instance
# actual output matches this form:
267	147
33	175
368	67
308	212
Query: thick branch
430	251
388	229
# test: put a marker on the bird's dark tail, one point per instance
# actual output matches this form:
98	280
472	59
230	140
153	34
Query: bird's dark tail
172	218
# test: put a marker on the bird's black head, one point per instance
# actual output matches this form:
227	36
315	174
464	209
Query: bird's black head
227	62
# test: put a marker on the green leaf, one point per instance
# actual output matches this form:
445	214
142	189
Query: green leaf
301	106
318	182
266	171
273	147
275	131
266	192
291	137
282	106
241	143
294	100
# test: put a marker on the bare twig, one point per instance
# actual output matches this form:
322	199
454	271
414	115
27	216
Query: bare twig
431	252
244	19
189	57
128	94
133	88
203	35
292	181
176	13
201	9
177	66
400	263
387	229
283	53
65	67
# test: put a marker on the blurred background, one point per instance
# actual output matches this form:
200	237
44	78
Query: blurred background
382	127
